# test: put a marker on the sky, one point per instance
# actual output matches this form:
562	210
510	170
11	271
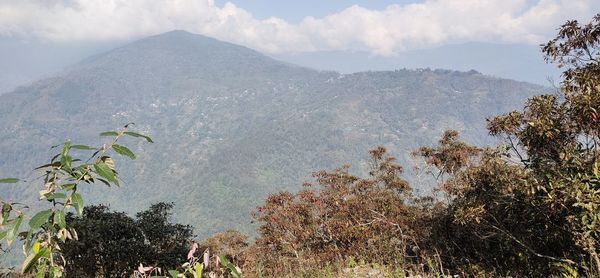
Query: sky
381	27
295	11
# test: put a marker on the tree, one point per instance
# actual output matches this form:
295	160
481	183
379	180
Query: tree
110	244
168	243
113	244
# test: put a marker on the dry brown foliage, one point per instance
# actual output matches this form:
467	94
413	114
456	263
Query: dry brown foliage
341	216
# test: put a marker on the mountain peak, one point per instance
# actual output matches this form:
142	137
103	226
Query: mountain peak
184	36
182	52
178	32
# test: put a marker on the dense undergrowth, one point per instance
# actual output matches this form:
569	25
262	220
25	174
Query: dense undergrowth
529	207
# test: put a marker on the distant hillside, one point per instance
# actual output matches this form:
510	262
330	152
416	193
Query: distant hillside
519	62
232	125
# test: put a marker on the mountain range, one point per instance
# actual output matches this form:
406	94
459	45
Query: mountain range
232	125
514	61
27	60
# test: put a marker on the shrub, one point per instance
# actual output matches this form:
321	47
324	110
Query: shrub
339	217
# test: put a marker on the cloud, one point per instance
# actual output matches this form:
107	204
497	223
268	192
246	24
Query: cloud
393	29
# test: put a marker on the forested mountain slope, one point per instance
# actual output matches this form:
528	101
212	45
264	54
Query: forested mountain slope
232	125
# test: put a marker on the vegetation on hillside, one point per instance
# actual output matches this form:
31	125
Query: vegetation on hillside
232	125
528	207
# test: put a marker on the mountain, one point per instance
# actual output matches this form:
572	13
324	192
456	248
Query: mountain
514	61
27	60
232	125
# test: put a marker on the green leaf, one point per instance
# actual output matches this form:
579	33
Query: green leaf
198	270
10	236
123	151
77	202
232	269
82	147
103	170
59	219
109	133
66	160
135	134
173	273
66	148
31	261
36	247
9	180
55	196
54	164
68	186
6	209
3	235
39	219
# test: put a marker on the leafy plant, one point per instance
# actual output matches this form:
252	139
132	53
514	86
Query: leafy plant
62	177
233	270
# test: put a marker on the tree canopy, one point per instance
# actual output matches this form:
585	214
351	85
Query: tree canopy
113	244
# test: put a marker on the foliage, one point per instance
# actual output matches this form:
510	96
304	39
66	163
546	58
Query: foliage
490	224
341	216
110	244
62	178
167	243
231	244
113	244
532	207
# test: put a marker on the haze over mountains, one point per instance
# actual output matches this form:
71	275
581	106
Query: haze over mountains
514	61
25	61
232	125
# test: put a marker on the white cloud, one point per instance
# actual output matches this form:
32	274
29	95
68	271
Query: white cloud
397	27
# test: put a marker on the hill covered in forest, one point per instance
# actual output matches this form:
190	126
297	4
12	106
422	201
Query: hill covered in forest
232	125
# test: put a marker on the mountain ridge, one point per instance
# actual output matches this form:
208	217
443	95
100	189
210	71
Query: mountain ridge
510	61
